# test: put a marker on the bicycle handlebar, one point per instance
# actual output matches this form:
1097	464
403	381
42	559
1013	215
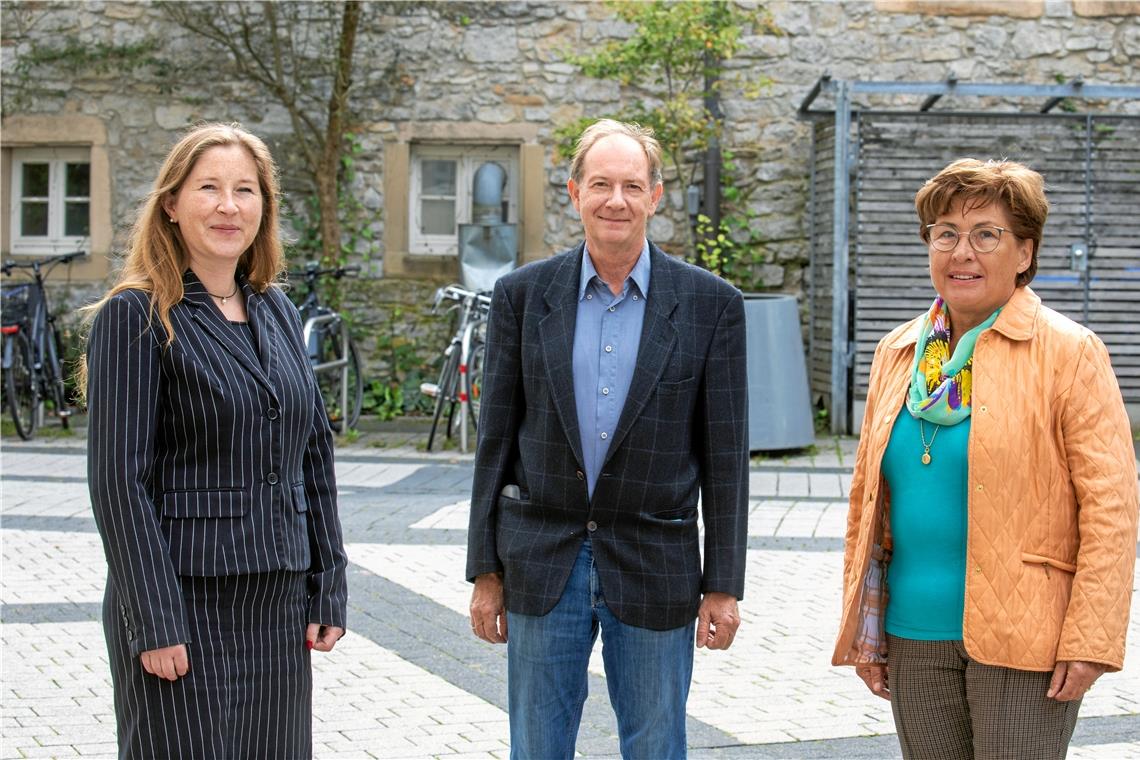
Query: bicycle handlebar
460	293
312	271
37	264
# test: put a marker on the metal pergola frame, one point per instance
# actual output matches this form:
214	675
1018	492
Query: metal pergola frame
843	92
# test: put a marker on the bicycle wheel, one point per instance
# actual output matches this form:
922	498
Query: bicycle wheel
475	376
20	384
329	349
445	393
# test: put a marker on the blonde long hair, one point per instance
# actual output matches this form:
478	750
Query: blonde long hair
156	253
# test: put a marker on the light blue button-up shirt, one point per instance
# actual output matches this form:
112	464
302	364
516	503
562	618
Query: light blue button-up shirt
606	339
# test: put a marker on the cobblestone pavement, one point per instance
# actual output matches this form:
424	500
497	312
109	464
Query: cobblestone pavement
410	681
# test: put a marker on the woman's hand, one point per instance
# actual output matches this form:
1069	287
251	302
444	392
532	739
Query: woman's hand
322	637
169	662
1072	679
874	674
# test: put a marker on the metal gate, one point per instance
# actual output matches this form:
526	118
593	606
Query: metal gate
1088	264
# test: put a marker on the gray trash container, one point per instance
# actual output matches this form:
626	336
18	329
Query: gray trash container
779	403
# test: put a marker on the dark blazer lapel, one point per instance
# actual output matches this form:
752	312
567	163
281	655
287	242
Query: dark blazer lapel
264	327
213	324
556	331
658	339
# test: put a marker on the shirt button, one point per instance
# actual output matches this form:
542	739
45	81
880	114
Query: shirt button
589	296
605	391
984	409
609	349
271	478
580	475
980	487
272	413
611	308
635	298
591	526
605	436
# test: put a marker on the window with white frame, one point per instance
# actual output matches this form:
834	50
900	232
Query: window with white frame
50	199
441	192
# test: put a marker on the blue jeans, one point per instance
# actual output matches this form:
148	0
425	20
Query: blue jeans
648	674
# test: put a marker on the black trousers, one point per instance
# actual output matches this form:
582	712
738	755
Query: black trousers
249	690
948	706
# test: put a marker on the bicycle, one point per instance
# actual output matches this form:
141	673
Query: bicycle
32	349
332	352
461	376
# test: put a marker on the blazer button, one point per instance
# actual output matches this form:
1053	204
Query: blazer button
591	526
580	475
271	478
272	413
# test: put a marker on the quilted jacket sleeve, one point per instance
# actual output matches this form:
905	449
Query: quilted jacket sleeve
1098	446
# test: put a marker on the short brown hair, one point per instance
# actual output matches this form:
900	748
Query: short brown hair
606	127
1016	187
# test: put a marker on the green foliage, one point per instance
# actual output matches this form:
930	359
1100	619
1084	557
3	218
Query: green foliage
675	49
74	58
822	420
99	57
399	392
736	247
358	241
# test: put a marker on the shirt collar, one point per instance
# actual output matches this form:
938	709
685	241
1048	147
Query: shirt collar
639	274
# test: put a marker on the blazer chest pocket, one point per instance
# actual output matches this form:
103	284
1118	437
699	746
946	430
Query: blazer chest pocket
673	387
219	502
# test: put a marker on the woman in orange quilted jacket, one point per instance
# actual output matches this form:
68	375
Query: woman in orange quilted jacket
991	536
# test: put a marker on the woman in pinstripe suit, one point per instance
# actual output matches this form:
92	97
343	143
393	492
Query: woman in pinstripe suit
211	470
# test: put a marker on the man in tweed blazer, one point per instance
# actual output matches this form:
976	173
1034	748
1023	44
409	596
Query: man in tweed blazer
614	395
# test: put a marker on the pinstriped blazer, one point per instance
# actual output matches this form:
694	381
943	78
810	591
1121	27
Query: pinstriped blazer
682	432
208	458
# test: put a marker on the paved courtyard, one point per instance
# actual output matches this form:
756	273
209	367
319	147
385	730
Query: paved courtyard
410	681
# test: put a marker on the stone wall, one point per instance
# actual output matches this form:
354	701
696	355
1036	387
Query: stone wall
503	63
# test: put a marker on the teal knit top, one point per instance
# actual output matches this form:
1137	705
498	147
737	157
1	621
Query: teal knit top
926	578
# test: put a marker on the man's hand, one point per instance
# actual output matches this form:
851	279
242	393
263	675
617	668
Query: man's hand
874	674
718	619
169	662
488	615
1072	679
322	637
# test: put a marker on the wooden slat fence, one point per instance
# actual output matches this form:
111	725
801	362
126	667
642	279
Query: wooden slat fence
1091	166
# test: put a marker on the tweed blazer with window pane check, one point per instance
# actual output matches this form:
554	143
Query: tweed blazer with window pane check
682	434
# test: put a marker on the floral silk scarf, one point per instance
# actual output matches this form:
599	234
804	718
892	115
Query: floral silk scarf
940	384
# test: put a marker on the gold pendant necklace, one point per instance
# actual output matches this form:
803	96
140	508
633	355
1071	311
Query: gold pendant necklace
926	446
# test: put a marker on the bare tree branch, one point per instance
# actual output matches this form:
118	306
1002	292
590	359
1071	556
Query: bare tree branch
270	45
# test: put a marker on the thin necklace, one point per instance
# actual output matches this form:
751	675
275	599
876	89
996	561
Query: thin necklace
223	299
926	446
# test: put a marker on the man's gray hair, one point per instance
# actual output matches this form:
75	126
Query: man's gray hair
606	127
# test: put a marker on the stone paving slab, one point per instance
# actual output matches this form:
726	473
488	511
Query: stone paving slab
409	680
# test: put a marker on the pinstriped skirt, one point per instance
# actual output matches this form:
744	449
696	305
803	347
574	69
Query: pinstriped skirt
248	693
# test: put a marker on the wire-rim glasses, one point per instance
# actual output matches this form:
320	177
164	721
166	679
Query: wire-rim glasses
944	237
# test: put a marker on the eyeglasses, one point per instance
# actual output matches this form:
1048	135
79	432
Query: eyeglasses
944	237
